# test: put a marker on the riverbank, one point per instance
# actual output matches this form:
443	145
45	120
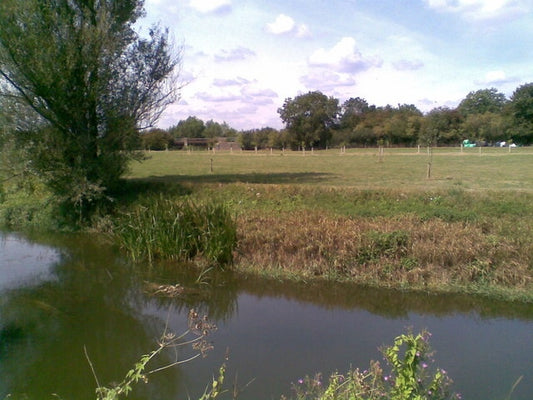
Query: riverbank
354	217
437	242
359	219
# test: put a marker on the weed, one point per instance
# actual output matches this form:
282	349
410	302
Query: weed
410	377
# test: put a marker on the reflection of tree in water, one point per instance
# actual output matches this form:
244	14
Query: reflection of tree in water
385	302
92	301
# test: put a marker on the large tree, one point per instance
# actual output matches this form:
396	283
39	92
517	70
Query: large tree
91	81
309	118
482	101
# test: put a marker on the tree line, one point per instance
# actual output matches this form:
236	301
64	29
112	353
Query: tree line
314	120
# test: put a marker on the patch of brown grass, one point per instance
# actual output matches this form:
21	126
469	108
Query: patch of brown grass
405	251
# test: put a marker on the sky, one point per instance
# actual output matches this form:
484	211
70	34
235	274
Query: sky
241	59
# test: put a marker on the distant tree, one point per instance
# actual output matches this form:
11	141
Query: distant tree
90	81
353	111
246	140
396	125
191	127
309	118
488	127
156	139
441	125
279	139
482	101
260	138
522	113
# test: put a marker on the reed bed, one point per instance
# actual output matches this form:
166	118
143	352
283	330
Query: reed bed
178	230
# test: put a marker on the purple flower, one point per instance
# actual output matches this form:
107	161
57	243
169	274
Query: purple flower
424	365
300	381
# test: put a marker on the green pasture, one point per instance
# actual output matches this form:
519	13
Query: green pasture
476	169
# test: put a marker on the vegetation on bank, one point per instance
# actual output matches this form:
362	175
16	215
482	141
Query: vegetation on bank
350	218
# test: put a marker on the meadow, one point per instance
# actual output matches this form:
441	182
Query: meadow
360	217
469	169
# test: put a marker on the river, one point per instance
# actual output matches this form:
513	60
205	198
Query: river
69	302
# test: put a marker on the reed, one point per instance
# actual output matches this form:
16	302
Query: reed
160	228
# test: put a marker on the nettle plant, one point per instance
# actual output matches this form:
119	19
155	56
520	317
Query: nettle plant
410	377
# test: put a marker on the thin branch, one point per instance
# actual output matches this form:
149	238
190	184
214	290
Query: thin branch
173	364
92	367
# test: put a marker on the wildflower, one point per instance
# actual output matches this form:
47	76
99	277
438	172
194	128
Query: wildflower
300	381
424	365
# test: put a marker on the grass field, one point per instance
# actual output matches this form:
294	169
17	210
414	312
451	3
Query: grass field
494	169
370	220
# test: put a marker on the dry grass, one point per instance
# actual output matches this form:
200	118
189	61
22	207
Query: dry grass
393	252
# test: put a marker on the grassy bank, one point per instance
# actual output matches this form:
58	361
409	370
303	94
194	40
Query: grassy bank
355	217
350	217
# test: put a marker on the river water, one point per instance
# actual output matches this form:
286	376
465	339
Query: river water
67	300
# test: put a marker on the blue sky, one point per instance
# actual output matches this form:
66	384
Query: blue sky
243	58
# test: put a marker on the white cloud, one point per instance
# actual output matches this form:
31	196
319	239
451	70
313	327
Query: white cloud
282	24
210	6
495	78
482	9
343	57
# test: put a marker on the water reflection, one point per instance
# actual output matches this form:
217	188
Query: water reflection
385	302
94	302
81	294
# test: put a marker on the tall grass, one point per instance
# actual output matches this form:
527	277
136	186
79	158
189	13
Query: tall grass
177	230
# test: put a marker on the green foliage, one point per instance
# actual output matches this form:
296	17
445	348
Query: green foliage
482	101
383	244
309	118
165	229
440	125
191	127
522	109
409	379
216	387
156	139
82	83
